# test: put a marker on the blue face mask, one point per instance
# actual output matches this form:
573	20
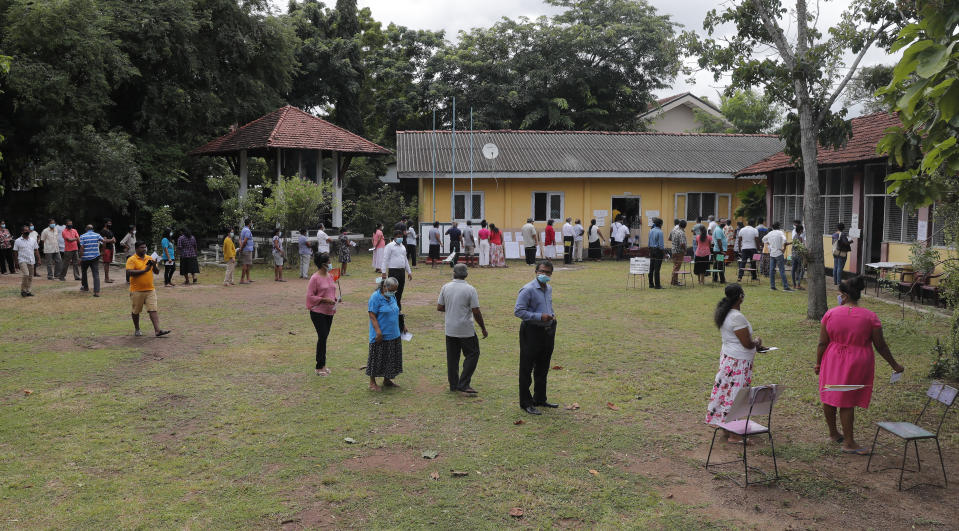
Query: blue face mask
839	299
329	267
543	278
398	240
390	295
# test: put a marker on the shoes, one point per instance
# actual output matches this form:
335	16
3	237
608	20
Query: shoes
24	294
532	410
95	294
547	404
162	333
469	390
138	333
788	289
29	294
773	288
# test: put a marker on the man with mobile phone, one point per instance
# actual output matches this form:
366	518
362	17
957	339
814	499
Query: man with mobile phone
140	269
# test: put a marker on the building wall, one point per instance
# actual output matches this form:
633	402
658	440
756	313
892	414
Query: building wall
677	120
508	202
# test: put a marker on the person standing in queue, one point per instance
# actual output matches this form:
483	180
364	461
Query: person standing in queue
537	334
71	251
109	242
246	251
229	257
569	234
657	251
51	249
396	265
386	348
305	252
456	242
530	240
436	244
140	269
169	257
26	253
469	242
321	302
90	259
460	303
411	249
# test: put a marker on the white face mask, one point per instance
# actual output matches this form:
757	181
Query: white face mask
231	234
133	232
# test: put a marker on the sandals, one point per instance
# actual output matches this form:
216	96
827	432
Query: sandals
856	451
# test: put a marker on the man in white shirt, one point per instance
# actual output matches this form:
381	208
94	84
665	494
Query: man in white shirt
469	242
26	253
51	249
460	302
617	236
323	240
530	239
712	224
776	240
395	265
568	235
747	247
578	233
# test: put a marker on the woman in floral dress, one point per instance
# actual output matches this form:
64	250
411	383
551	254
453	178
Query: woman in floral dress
735	359
344	252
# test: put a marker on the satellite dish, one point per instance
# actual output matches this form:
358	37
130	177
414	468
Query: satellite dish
490	151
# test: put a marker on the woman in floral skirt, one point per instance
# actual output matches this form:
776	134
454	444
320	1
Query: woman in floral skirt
735	359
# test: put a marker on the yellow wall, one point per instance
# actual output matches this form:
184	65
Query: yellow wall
827	255
508	202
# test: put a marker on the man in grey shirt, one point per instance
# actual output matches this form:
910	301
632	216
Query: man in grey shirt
530	239
469	242
460	302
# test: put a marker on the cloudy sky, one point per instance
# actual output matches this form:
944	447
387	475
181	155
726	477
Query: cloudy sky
456	15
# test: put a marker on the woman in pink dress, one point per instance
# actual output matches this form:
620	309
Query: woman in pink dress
321	302
496	256
484	247
379	242
845	357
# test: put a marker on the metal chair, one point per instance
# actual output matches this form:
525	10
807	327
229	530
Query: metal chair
912	432
717	264
749	402
754	269
685	272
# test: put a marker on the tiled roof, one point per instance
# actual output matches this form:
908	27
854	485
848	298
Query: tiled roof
289	127
584	151
867	131
663	101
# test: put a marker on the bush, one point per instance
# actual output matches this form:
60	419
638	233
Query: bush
386	206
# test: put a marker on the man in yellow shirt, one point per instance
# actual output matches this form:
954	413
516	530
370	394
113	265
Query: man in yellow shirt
229	257
140	269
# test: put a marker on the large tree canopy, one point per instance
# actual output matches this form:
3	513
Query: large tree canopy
593	66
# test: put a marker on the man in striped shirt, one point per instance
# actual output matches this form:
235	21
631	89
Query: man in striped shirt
90	259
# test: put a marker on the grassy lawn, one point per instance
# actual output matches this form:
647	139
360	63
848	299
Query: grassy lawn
224	425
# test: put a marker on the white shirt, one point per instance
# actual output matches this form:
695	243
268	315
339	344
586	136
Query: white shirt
732	346
468	240
568	231
748	235
60	241
593	233
578	231
34	235
459	298
619	231
394	257
25	249
322	242
49	239
712	225
411	236
776	241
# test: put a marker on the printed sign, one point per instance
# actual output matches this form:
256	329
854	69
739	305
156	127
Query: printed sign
923	230
639	266
855	221
600	213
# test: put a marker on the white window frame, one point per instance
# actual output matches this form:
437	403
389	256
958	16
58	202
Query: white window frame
846	173
906	235
686	204
797	196
549	196
468	205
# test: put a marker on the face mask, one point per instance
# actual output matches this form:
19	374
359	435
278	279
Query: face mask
329	267
543	278
171	233
70	225
231	234
3	225
390	295
398	240
26	234
52	225
839	299
31	227
133	232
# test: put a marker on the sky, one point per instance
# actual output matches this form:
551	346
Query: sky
456	15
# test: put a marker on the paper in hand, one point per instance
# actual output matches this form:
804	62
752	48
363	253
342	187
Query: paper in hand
155	257
896	376
767	349
406	336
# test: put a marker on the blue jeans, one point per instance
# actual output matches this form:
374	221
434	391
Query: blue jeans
780	262
838	262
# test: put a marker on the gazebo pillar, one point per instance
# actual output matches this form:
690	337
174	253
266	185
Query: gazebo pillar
244	173
319	166
279	164
299	164
337	192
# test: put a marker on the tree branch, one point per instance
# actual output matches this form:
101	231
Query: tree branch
776	34
849	75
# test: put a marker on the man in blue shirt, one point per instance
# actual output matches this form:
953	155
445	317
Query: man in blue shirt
657	251
534	306
720	244
246	251
90	259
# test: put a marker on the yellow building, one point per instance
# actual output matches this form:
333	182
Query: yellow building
584	175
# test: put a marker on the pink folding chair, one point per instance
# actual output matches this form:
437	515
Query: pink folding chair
749	402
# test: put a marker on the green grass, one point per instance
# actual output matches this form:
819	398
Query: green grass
225	426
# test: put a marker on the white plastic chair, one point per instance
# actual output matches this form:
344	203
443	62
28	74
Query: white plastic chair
749	402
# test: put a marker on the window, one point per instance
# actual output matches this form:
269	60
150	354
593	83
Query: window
901	224
788	189
467	206
937	228
836	185
700	204
547	205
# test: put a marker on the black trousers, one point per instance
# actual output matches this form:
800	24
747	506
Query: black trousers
469	346
411	253
400	276
721	266
322	324
535	353
567	249
168	272
655	264
455	249
617	249
530	255
94	267
6	261
746	255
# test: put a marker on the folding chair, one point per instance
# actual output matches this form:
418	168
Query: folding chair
749	402
685	272
912	432
754	269
717	262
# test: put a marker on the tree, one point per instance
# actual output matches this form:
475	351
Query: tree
806	73
752	202
748	111
593	66
296	203
862	88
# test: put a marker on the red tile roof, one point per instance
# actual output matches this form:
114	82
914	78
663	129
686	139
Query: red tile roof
867	131
292	128
663	101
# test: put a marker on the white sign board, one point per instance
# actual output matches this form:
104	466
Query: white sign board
854	223
855	233
650	214
600	213
507	237
600	222
512	249
923	230
639	266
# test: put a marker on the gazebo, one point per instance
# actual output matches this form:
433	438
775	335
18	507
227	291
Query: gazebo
292	137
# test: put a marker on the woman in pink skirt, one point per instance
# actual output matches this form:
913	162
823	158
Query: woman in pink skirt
845	357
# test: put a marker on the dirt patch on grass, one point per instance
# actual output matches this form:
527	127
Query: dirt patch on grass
313	518
384	459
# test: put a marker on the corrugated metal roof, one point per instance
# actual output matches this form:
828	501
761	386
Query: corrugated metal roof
289	127
584	151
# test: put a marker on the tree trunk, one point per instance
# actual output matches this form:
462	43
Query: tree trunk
812	209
